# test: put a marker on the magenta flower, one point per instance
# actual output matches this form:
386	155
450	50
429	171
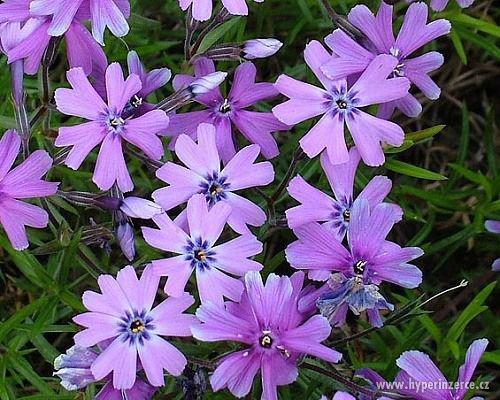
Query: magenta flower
317	206
494	227
275	333
22	182
370	260
256	127
123	314
102	13
418	371
197	251
73	368
340	105
352	58
81	48
440	5
204	175
108	126
202	9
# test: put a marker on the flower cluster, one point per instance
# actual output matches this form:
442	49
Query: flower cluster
203	221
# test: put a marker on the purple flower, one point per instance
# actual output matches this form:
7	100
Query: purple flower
370	260
202	9
257	127
260	48
317	206
351	57
340	396
440	5
494	226
340	105
124	315
22	182
73	368
422	380
108	126
150	81
267	320
102	13
81	48
205	176
198	252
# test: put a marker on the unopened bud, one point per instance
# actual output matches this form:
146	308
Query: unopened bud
135	207
207	83
125	237
260	48
73	368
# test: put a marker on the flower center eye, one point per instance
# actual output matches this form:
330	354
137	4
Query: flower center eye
136	101
137	326
200	255
359	267
225	107
266	341
342	104
215	189
347	215
116	122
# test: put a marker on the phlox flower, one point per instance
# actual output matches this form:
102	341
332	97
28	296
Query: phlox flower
351	57
20	183
340	105
417	367
274	332
223	112
123	313
370	260
202	9
108	126
440	5
334	213
81	48
494	227
198	252
73	368
204	175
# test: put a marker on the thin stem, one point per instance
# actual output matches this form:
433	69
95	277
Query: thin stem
341	21
297	156
191	26
221	16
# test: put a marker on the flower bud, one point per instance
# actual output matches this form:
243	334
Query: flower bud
207	83
135	207
74	367
125	237
260	48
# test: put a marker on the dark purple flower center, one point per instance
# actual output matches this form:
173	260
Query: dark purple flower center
199	254
135	327
342	101
266	340
399	69
359	267
225	107
341	215
214	188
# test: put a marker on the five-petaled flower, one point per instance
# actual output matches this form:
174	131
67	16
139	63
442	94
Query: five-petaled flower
370	260
124	315
223	112
108	125
340	105
198	252
206	176
276	334
351	57
22	182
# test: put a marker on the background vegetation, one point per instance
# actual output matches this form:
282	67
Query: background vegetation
447	180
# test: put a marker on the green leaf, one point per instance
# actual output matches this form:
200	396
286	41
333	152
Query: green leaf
24	368
423	134
474	23
412	170
212	37
459	47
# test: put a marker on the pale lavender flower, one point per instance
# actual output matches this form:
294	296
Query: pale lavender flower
204	175
73	368
317	206
81	48
223	112
275	333
418	368
150	81
260	48
199	253
202	9
370	260
22	182
108	126
102	13
440	5
123	314
494	227
340	105
351	57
